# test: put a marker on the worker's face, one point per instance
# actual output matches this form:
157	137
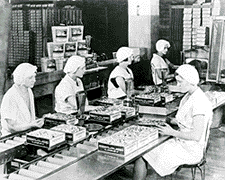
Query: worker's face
182	84
129	61
165	50
80	72
30	80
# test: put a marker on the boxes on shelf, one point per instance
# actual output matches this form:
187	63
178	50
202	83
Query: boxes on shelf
60	63
75	33
82	48
55	119
48	65
128	140
56	50
73	133
60	34
70	49
45	138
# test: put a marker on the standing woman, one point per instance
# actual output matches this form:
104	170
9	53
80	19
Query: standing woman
65	92
121	73
17	108
193	118
159	61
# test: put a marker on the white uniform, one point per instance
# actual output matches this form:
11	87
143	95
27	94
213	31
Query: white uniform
167	157
157	62
14	107
114	92
67	87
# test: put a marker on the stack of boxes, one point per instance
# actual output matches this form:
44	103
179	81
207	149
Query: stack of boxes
206	13
35	25
187	28
31	30
201	32
196	23
67	41
20	37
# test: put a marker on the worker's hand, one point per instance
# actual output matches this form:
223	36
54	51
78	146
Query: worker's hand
175	66
165	129
170	76
38	122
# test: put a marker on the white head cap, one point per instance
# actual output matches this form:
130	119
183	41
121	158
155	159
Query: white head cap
123	53
160	44
189	73
73	63
23	71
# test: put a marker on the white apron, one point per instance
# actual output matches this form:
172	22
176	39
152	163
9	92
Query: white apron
114	92
14	107
167	157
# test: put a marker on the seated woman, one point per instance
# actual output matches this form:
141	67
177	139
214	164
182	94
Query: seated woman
121	73
17	108
65	92
193	117
159	62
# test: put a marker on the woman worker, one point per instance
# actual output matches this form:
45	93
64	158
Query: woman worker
65	92
121	73
193	119
159	62
17	108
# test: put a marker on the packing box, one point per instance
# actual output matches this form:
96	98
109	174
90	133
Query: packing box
45	138
73	133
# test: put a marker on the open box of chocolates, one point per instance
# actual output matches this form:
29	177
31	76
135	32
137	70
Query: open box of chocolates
166	97
126	111
127	140
54	119
45	138
106	114
148	99
108	101
73	133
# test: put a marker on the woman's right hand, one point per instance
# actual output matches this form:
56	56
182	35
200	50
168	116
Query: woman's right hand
38	122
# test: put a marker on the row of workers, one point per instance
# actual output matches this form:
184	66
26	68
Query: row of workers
193	116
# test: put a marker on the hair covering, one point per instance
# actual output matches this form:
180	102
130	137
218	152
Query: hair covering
73	63
189	73
23	71
160	44
123	53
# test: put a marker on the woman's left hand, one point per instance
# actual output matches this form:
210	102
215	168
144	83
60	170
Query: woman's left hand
165	129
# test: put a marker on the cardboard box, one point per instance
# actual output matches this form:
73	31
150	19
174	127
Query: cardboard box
108	114
60	34
152	110
73	133
148	99
128	140
127	111
56	119
109	102
116	149
147	139
56	50
75	33
45	138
